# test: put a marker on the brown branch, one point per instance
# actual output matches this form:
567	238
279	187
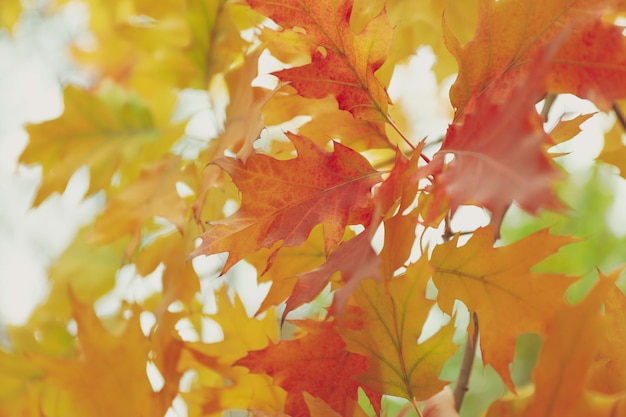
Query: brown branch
462	382
620	116
547	105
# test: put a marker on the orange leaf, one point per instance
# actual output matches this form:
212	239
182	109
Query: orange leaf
608	373
568	129
243	115
564	361
343	63
284	200
510	33
499	286
316	363
391	316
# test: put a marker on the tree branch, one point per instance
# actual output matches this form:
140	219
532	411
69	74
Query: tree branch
620	116
462	382
547	105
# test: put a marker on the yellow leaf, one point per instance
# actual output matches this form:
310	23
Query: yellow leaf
88	269
180	281
500	287
392	317
614	151
152	194
105	369
10	13
109	131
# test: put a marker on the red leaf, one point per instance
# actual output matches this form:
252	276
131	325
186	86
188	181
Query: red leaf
284	200
499	153
317	363
343	63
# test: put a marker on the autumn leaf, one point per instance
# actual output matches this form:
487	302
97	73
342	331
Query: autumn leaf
398	242
180	281
106	367
354	259
499	155
244	121
222	385
318	408
89	280
499	286
608	371
11	11
391	316
284	200
342	63
19	386
153	194
564	361
327	121
111	132
568	129
287	265
614	150
500	51
423	26
316	363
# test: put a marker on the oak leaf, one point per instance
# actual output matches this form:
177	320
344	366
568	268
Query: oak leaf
287	265
566	357
179	280
501	51
244	120
568	129
614	150
327	121
354	259
110	131
89	280
391	315
152	194
608	371
343	63
499	154
423	26
499	286
316	363
284	200
106	367
222	384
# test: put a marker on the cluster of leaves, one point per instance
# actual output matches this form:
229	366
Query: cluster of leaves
302	194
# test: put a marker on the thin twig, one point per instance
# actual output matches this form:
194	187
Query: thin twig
620	116
416	407
547	105
404	138
462	383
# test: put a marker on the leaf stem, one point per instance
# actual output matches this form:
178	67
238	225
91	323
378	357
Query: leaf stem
462	383
416	407
620	116
404	138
